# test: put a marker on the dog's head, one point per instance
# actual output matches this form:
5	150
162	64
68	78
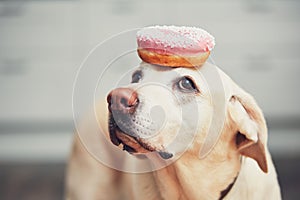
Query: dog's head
170	111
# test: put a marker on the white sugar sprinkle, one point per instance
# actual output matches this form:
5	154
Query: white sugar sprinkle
175	36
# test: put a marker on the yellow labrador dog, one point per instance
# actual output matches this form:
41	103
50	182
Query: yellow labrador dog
237	165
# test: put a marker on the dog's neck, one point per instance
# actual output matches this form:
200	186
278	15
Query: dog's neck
188	177
251	176
227	190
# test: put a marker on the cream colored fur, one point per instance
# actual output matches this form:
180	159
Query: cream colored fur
189	177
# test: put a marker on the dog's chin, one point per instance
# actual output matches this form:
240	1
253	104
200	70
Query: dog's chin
132	144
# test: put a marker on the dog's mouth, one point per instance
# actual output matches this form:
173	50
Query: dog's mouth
130	142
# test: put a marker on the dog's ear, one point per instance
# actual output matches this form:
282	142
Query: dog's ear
251	136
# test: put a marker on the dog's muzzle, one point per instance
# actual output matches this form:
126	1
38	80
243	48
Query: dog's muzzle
122	104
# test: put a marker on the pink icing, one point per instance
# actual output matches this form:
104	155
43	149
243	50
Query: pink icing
175	40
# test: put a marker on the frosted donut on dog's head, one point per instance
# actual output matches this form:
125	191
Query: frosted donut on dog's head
174	46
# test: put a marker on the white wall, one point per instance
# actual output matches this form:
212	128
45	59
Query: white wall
42	44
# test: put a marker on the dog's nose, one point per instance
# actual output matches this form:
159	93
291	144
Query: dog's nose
124	100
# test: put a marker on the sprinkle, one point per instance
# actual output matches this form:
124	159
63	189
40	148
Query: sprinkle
188	38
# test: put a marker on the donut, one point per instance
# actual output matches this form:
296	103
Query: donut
174	46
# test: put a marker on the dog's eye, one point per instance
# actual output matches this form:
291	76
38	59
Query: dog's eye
186	84
136	77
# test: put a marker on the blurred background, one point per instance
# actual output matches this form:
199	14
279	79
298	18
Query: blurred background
42	44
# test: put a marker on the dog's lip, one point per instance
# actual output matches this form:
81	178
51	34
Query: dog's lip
132	144
135	146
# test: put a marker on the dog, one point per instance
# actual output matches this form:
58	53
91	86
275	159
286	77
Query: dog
237	164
